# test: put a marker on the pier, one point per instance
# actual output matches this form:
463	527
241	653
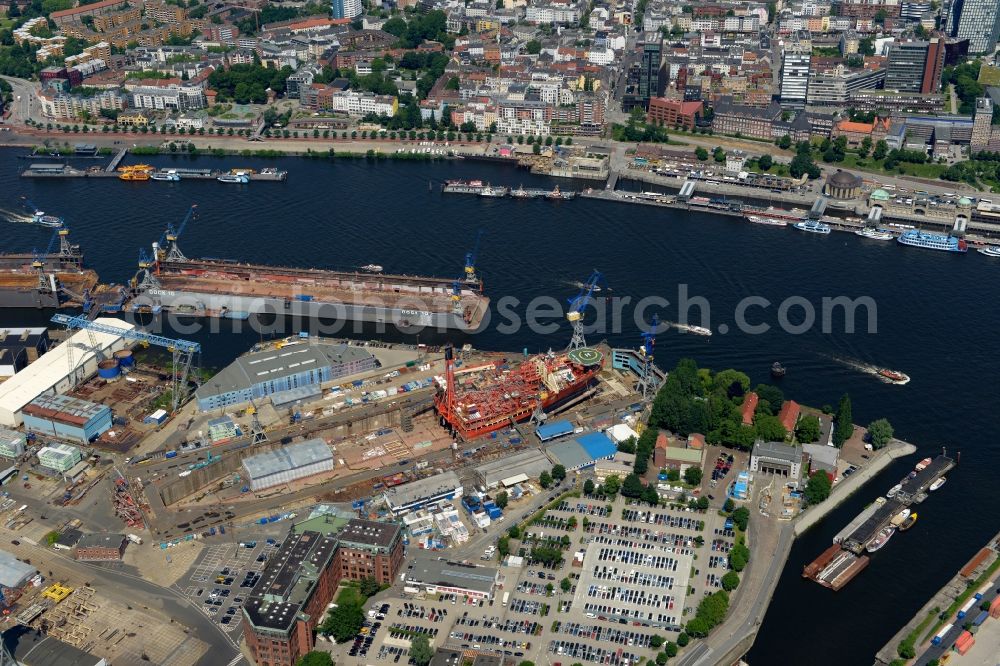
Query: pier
116	160
66	171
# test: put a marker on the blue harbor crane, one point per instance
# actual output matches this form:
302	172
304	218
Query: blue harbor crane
649	380
576	306
470	261
45	285
145	278
167	249
182	352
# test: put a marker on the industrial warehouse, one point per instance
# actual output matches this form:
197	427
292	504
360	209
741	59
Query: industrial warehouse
66	417
297	369
288	464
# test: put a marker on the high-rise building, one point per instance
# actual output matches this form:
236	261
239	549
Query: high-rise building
982	124
915	66
795	75
650	75
346	8
975	20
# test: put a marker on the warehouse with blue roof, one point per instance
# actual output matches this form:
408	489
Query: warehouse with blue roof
550	431
582	451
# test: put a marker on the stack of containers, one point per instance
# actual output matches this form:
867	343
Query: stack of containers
964	643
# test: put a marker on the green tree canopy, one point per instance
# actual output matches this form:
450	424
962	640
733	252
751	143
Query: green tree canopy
817	487
545	479
421	650
534	47
558	472
844	426
692	475
501	499
769	428
879	433
730	581
315	658
344	622
807	430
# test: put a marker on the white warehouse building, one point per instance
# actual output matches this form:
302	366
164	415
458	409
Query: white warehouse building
56	372
284	465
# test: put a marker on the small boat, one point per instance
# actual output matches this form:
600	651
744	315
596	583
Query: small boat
895	489
937	484
898	519
880	539
908	523
170	176
990	250
520	193
812	227
769	221
39	217
777	370
493	192
371	268
893	376
241	179
558	195
875	234
922	465
697	330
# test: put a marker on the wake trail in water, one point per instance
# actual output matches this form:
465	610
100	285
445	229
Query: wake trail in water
866	368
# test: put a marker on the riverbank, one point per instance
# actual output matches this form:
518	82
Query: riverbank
847	486
927	621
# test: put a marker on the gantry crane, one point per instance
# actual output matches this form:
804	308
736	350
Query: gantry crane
576	306
182	351
167	249
145	278
649	379
256	430
470	261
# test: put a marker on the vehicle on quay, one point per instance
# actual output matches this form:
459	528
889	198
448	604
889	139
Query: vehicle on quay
908	523
990	250
932	241
875	234
937	484
880	539
813	227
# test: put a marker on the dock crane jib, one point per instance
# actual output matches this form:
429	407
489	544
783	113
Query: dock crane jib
470	261
167	248
576	306
649	381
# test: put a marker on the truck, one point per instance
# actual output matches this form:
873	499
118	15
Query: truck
983	590
939	636
506	598
964	610
171	454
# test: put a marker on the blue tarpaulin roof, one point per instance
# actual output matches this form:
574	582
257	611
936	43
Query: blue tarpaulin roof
598	445
552	430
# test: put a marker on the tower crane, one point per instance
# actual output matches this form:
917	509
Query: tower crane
182	352
60	236
649	381
576	306
470	261
38	263
145	278
167	249
256	430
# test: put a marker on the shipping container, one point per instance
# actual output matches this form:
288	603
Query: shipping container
995	608
980	618
966	646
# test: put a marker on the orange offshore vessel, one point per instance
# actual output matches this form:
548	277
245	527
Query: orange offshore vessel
477	401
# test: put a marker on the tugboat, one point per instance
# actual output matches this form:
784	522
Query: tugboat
777	370
893	376
881	539
908	523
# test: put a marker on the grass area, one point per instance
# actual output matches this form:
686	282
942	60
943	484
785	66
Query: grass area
912	636
962	598
852	161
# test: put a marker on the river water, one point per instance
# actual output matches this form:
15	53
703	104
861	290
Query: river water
936	321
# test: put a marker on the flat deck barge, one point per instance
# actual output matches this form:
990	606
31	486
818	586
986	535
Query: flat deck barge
66	171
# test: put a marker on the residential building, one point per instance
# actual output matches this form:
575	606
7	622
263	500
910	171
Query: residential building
346	9
101	547
915	66
651	73
673	113
730	118
95	9
66	106
833	87
358	104
174	97
59	457
777	458
982	128
749	407
795	75
789	415
66	417
975	20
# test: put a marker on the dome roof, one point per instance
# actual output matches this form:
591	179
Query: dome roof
844	179
965	201
880	195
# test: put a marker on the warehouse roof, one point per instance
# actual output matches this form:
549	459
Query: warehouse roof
429	570
64	409
14	572
421	489
256	367
11	437
287	458
531	463
583	450
32	648
101	541
369	533
53	367
553	430
22	337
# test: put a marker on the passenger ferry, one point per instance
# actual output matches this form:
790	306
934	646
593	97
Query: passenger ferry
932	241
171	176
39	217
241	178
875	234
769	221
813	227
990	250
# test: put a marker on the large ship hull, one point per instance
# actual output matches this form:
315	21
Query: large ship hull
27	298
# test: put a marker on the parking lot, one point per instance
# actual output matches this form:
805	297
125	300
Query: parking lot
222	578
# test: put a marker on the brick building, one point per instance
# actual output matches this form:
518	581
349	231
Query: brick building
673	113
369	549
101	548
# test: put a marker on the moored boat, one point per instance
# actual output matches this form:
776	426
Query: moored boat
937	484
768	221
812	227
372	268
241	178
898	519
880	539
875	234
170	176
922	465
895	489
777	370
990	250
520	193
893	376
908	523
493	192
932	241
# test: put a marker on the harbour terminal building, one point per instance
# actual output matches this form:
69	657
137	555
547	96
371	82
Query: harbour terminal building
293	372
291	598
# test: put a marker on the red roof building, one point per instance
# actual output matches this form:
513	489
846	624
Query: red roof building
696	441
749	407
660	451
673	113
789	414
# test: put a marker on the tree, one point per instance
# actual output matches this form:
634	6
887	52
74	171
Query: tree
741	517
655	641
765	162
807	430
865	147
906	650
769	428
771	395
369	587
739	556
545	480
730	581
818	487
501	499
514	532
881	150
728	505
534	47
627	445
632	486
692	475
612	485
879	433
588	487
702	503
558	472
661	658
565	585
701	154
844	421
503	547
344	622
420	650
719	155
315	658
670	649
683	639
785	142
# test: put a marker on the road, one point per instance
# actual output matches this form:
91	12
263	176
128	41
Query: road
24	105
